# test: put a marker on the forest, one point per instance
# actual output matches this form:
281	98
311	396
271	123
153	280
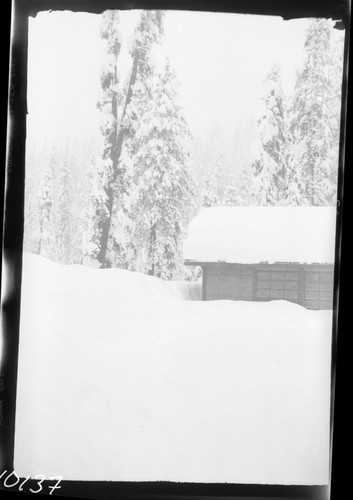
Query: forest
124	198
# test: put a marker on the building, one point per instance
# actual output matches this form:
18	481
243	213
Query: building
265	253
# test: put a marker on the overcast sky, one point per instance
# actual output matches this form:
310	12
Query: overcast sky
220	59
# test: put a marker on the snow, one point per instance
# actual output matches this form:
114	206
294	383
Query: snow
89	283
107	118
186	290
119	379
250	235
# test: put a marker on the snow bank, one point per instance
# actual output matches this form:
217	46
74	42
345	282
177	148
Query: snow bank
138	387
107	284
262	234
99	284
187	290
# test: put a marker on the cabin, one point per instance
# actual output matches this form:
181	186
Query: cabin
265	253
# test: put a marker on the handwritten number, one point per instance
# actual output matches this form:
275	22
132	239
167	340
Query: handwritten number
39	478
14	484
55	487
23	482
40	481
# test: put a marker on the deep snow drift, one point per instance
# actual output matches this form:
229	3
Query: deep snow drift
121	380
250	235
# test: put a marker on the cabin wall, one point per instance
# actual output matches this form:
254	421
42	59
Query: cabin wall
226	282
309	285
319	285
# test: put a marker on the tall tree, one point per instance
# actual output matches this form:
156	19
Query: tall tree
219	174
46	246
31	233
209	196
239	189
270	161
62	207
231	192
103	194
315	114
38	157
336	74
164	187
111	171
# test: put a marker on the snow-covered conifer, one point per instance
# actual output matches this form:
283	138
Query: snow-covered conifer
270	160
110	185
231	192
62	207
46	246
209	195
315	118
163	182
103	196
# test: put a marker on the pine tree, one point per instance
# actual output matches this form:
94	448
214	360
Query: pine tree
295	192
315	116
82	159
231	196
245	183
46	246
38	157
270	161
209	197
111	176
62	208
103	195
239	189
209	193
164	187
336	74
219	174
31	233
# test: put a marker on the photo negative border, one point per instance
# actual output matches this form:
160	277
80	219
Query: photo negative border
13	218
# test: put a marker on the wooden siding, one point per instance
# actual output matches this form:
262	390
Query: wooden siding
309	285
277	283
318	288
227	281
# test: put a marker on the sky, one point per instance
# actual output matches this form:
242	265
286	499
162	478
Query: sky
220	59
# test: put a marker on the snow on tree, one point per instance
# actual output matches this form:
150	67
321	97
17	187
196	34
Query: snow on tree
38	157
265	172
164	188
46	246
82	158
231	143
296	179
212	191
102	193
231	192
336	73
270	158
31	233
218	173
57	187
315	117
110	184
245	183
62	207
209	197
239	189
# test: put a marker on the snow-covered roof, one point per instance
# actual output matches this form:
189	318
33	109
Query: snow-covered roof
251	235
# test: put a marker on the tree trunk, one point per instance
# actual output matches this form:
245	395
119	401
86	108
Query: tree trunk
151	270
116	153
